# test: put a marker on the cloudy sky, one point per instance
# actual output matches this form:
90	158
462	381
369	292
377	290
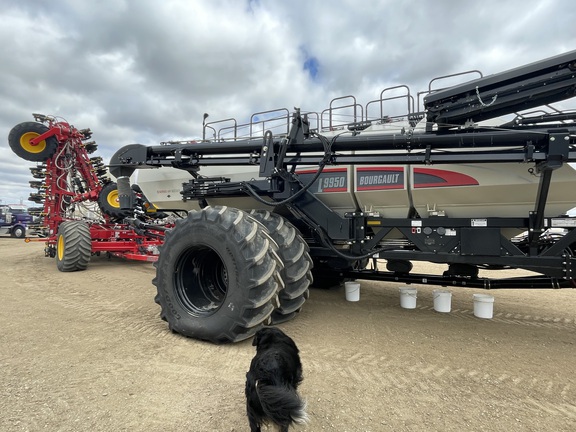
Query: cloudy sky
146	70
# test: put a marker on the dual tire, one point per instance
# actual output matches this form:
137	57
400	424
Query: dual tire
297	264
222	274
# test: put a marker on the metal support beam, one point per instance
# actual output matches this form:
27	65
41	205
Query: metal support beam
558	151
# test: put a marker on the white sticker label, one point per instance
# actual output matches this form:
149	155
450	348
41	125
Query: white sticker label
564	222
416	223
479	222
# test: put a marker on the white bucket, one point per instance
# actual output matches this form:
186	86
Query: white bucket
408	297
352	291
483	305
442	300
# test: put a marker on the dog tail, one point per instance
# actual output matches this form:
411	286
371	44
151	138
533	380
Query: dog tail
282	404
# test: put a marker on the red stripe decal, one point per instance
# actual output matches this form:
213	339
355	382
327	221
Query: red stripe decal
430	177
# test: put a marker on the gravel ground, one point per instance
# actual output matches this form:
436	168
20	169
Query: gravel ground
87	351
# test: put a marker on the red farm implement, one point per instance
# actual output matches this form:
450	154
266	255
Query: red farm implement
81	213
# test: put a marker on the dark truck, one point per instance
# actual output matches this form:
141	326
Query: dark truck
14	220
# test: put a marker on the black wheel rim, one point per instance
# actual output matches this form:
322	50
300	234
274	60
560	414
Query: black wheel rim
201	280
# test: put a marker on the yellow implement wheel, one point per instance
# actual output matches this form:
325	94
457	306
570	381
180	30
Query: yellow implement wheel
109	202
20	141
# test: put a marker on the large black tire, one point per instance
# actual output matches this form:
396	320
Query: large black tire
296	274
73	247
217	276
19	141
109	203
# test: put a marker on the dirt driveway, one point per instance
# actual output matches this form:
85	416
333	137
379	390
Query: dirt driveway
87	351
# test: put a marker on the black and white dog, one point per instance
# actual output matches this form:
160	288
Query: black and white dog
271	382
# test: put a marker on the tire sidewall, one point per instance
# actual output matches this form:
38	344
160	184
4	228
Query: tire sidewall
236	299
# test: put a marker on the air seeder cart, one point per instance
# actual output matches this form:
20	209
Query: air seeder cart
450	182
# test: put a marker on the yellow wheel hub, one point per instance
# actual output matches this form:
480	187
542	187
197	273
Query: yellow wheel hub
113	199
28	146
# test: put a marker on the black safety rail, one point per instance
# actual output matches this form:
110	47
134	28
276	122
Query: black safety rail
343	112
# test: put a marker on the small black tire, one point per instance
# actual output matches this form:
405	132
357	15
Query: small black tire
19	140
73	246
109	202
294	253
217	276
18	231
